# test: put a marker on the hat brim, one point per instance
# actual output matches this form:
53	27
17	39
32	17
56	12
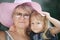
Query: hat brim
6	10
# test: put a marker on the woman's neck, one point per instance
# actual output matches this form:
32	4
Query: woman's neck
18	30
21	31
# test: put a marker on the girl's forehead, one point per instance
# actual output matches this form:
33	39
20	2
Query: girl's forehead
36	18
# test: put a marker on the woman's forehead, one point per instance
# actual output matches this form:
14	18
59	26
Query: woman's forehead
21	10
24	7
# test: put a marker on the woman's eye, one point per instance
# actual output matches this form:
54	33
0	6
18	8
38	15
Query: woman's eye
27	15
17	16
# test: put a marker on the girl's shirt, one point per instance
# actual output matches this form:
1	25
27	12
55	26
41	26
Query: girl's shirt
38	36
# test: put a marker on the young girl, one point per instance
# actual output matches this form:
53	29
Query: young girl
41	28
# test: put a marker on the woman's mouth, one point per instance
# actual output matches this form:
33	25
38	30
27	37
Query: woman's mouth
21	22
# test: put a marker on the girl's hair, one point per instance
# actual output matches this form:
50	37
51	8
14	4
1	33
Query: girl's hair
46	24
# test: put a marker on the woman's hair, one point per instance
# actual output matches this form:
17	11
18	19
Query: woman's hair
46	24
25	6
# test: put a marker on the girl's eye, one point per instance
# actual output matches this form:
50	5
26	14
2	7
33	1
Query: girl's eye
32	23
38	23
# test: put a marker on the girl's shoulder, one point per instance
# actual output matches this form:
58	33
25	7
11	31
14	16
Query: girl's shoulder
38	36
49	35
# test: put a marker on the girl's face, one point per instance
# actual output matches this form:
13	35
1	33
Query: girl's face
36	25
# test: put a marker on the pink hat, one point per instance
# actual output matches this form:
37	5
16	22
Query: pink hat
6	10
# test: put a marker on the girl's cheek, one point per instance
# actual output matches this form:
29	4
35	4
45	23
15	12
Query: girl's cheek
39	25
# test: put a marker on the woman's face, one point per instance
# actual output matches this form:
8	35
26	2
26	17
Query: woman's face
36	25
21	18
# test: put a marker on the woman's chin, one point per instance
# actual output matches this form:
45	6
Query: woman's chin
22	27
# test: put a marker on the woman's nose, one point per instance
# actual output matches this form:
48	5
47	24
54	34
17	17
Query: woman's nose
22	17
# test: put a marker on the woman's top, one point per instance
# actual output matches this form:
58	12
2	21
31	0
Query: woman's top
8	36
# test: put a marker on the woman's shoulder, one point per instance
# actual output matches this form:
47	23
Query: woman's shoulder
2	35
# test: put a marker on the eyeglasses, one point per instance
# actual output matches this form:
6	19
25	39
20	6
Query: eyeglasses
19	15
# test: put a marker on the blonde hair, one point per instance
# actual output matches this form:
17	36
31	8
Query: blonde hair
25	6
43	19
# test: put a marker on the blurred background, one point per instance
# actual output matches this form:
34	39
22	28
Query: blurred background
51	6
